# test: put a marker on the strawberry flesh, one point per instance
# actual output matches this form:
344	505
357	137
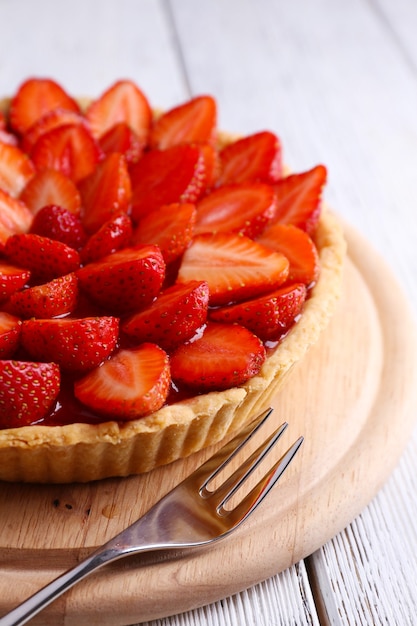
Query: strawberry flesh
51	187
253	158
15	217
16	169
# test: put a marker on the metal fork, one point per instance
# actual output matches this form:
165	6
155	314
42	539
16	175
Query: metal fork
190	515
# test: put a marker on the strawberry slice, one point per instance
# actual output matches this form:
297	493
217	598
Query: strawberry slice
299	249
161	177
224	356
125	281
299	198
253	158
9	334
132	384
122	102
16	169
245	209
15	217
51	119
76	344
57	297
115	234
34	98
3	123
123	139
235	267
12	278
44	257
170	227
51	187
8	138
105	192
191	122
56	222
173	317
28	392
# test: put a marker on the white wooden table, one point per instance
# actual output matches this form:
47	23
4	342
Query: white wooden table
337	81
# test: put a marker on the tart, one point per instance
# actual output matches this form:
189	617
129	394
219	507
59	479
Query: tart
185	410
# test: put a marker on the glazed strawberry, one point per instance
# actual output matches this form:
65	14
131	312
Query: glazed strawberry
12	278
244	208
235	267
127	280
166	176
105	192
173	317
44	257
270	316
8	138
51	187
9	334
15	217
122	102
299	249
58	223
170	227
27	392
3	123
211	164
51	119
76	344
57	297
253	158
16	169
132	384
299	198
115	234
224	356
191	122
123	139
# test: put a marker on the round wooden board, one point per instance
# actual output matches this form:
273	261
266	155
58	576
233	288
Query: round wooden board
354	400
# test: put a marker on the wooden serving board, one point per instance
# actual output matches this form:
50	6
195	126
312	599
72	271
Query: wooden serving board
353	398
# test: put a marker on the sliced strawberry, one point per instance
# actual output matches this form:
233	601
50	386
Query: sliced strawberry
34	98
245	209
9	334
123	139
170	227
76	344
171	319
8	138
299	249
115	234
28	392
3	123
299	198
161	177
235	267
105	192
253	158
224	356
69	149
15	217
192	122
16	169
44	257
211	164
58	223
58	297
125	281
122	102
12	278
132	384
51	187
51	119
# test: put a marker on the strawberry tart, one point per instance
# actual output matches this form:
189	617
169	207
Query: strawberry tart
158	280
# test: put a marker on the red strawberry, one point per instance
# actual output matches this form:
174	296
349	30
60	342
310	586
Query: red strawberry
170	227
9	334
122	102
51	187
16	169
174	317
44	257
299	249
115	234
69	149
235	267
132	384
57	223
51	119
123	139
224	356
8	138
161	177
270	316
76	344
125	281
105	192
15	217
3	123
58	297
244	209
34	98
299	198
253	158
211	163
12	278
191	122
28	392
